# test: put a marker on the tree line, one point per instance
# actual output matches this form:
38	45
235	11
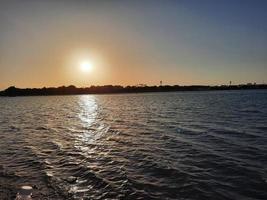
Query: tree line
110	89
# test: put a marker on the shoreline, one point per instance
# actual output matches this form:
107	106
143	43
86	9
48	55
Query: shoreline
110	89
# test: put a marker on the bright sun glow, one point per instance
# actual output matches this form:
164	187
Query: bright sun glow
86	66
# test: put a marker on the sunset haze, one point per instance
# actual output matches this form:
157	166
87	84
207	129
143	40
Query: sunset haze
42	43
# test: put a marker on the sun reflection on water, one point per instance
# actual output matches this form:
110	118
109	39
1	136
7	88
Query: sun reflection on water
88	112
92	127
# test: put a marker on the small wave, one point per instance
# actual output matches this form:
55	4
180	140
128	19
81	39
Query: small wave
250	111
42	128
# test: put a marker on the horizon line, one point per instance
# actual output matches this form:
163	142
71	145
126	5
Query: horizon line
137	85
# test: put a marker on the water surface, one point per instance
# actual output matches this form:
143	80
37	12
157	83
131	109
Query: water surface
187	145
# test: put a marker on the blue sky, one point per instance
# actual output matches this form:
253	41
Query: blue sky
180	42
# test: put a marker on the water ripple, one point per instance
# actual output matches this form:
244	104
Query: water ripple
195	145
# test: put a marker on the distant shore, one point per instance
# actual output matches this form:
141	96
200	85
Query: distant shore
114	89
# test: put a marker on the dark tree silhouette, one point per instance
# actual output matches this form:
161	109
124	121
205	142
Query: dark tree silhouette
72	90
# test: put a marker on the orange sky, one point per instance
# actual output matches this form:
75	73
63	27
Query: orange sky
42	43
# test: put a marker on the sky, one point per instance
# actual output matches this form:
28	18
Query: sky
181	42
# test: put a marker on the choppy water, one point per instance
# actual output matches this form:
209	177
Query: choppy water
188	145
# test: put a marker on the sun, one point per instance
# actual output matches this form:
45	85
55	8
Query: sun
86	66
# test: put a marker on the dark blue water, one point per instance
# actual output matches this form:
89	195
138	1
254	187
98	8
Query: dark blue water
187	145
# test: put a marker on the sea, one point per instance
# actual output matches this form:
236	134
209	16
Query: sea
197	145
